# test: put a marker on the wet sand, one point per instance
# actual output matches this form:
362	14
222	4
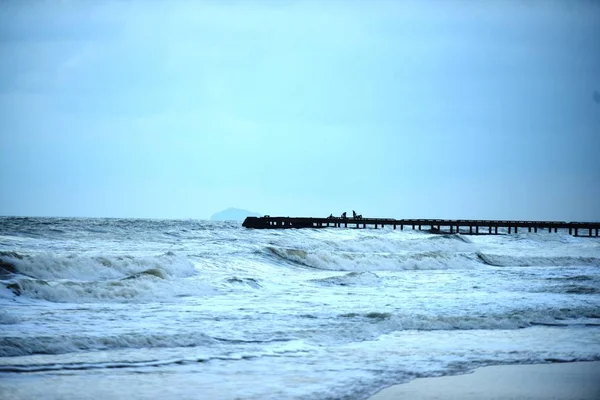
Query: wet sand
568	381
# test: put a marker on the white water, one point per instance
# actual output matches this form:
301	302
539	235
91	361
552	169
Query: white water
188	309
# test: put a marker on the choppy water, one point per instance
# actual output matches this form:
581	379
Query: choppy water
141	309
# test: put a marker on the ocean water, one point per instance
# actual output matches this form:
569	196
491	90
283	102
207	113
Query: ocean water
188	309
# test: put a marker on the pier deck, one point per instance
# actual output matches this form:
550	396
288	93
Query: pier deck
472	227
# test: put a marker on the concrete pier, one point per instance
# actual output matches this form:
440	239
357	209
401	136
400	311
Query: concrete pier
434	225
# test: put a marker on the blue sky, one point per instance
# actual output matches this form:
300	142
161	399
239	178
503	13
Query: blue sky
452	109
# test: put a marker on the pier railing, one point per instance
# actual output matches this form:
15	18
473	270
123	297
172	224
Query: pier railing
464	226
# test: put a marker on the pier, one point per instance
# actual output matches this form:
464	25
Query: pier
444	226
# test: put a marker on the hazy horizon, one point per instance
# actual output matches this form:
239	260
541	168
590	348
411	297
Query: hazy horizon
454	109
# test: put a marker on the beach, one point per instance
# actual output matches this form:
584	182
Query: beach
565	381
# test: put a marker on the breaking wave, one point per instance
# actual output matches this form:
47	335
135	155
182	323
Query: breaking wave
269	348
364	262
7	318
20	346
145	287
369	325
351	279
427	260
81	279
50	266
505	260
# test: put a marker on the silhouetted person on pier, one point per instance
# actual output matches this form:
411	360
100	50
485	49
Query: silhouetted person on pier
330	216
344	215
353	214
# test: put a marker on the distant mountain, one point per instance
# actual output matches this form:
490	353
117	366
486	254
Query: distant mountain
233	214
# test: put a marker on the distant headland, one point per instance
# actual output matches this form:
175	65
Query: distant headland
233	214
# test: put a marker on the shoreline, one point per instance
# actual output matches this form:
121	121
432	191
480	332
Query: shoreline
569	381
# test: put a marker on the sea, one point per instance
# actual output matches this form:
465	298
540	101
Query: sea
193	309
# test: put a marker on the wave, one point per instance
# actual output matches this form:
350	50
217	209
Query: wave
112	365
345	327
278	348
394	243
243	282
22	346
50	266
518	319
147	286
572	289
419	260
506	260
351	279
7	269
155	272
451	236
364	262
81	278
7	318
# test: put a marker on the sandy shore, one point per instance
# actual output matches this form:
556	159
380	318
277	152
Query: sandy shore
571	381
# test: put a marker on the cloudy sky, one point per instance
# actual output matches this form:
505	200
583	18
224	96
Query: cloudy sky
453	109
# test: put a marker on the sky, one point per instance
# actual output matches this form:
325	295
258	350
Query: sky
403	109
